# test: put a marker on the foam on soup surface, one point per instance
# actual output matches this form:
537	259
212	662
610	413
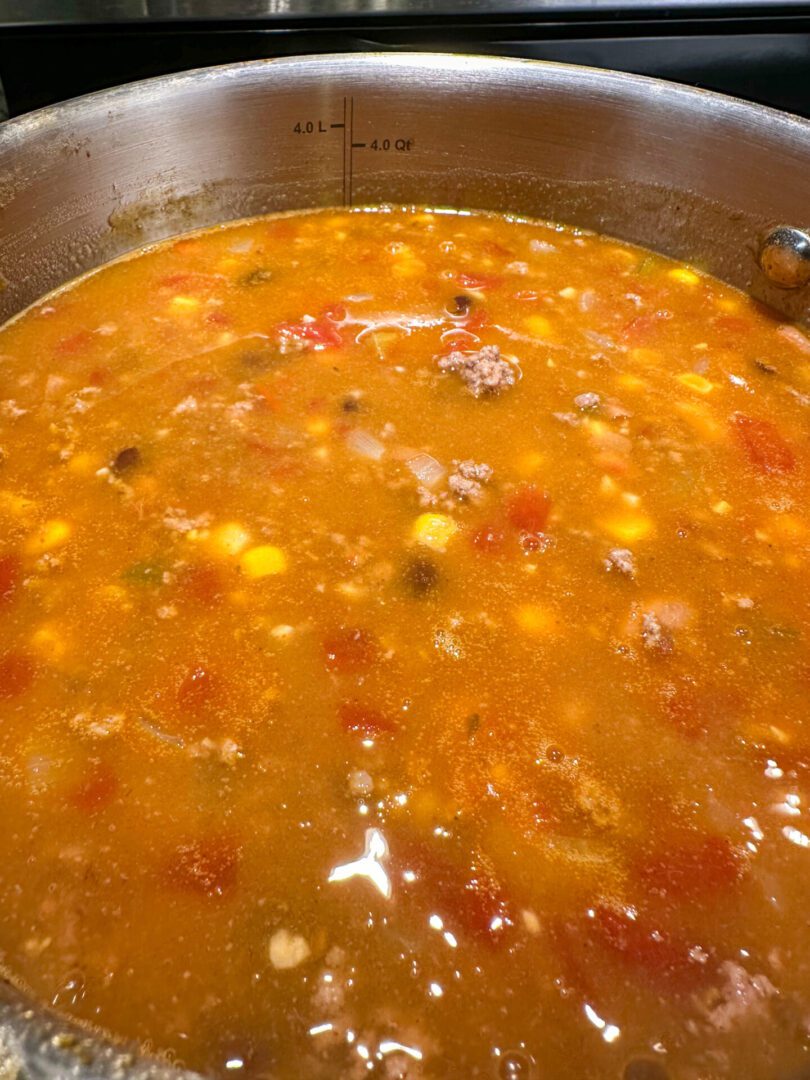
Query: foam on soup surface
404	655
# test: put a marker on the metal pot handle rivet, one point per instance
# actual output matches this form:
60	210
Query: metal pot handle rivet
784	257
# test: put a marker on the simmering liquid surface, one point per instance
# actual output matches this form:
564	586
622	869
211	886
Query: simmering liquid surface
404	656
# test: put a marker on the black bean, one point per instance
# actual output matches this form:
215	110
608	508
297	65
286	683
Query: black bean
260	359
644	1069
473	724
350	405
768	369
459	305
257	277
126	459
420	576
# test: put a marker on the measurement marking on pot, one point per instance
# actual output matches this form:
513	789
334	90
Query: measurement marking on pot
384	144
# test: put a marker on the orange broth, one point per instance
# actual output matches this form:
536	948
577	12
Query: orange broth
376	702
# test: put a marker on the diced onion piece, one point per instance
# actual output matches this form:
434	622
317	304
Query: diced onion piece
364	444
426	469
239	247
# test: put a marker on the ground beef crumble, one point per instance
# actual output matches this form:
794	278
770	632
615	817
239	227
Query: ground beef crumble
622	560
656	637
468	478
482	372
742	997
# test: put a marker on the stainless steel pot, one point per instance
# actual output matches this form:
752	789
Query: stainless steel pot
691	174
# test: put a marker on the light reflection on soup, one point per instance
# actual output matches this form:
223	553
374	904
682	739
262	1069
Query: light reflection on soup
404	655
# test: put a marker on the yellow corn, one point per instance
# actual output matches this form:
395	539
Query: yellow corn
628	527
434	530
721	507
184	304
49	642
229	539
538	326
684	276
695	382
83	464
262	561
318	426
51	535
534	619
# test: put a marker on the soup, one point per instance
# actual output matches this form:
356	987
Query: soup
404	661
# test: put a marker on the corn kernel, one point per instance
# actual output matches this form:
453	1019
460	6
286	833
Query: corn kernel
434	530
318	426
628	527
728	304
538	326
408	268
51	535
631	382
684	276
49	642
699	417
14	504
645	356
789	527
528	464
229	539
263	561
721	507
228	262
695	382
568	293
534	619
623	253
184	304
83	464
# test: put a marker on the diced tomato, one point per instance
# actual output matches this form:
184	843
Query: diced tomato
487	538
17	672
99	376
76	343
335	313
464	894
10	573
665	962
208	866
476	320
733	325
477	281
199	689
188	281
96	791
640	328
363	720
528	508
662	961
763	445
350	648
692	868
496	250
218	318
321	333
695	710
203	583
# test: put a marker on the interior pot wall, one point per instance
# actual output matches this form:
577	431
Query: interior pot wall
691	174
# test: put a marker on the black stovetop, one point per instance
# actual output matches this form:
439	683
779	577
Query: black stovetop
55	49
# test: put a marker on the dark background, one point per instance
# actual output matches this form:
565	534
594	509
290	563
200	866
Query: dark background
55	49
